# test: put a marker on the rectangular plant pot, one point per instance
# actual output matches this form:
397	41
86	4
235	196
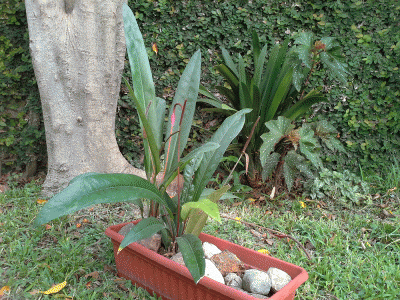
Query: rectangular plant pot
170	280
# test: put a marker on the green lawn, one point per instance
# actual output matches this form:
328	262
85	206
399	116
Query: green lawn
355	252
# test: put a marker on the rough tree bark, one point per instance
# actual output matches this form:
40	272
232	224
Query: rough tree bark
78	53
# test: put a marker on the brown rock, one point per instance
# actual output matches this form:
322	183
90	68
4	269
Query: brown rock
227	262
178	258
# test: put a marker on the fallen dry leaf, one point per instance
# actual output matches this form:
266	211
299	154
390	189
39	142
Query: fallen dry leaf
48	226
34	292
94	275
41	201
78	225
236	204
4	289
85	221
108	268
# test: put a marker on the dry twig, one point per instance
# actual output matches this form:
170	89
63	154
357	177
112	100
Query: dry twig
272	232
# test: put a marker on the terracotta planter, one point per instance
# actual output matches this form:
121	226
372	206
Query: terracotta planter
170	280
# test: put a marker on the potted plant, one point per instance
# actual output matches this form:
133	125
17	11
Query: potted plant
179	219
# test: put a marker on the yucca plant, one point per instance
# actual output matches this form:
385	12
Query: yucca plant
276	86
179	219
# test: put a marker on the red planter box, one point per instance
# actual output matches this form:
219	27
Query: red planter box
170	280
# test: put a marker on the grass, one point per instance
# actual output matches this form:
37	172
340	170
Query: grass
355	252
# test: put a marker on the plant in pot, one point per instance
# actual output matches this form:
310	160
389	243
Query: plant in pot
177	219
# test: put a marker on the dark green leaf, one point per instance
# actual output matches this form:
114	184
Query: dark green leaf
193	255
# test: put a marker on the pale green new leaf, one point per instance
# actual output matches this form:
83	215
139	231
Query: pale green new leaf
197	218
193	255
205	205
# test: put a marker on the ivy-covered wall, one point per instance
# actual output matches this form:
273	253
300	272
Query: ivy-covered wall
22	140
366	111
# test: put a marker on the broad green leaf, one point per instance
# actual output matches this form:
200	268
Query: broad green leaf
188	88
277	130
90	189
228	130
142	230
298	76
305	42
288	172
335	66
269	164
330	43
299	162
309	145
193	255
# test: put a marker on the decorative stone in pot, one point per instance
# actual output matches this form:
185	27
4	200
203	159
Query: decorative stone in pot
170	280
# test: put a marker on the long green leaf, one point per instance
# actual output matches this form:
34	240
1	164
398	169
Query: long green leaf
193	255
280	95
188	88
143	230
229	62
302	106
229	129
140	66
148	133
256	46
142	80
229	75
94	188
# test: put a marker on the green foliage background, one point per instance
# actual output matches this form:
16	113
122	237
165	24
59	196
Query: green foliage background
366	112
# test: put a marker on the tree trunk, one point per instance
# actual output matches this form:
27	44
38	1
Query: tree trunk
78	54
